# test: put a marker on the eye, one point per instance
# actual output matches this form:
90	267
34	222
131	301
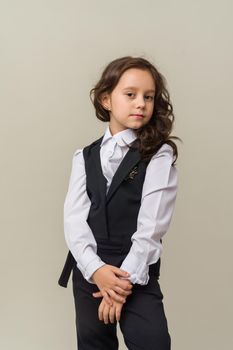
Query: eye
149	98
130	94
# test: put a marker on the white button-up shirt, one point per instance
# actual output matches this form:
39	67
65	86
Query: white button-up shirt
157	205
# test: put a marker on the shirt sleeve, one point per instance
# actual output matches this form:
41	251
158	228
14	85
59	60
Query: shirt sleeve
154	217
78	235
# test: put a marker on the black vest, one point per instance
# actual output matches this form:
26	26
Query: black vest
112	216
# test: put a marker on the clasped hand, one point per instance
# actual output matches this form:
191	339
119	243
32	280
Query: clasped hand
113	289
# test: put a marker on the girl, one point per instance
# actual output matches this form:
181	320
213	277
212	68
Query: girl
119	204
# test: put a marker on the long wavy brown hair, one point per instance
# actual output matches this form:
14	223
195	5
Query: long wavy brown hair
156	132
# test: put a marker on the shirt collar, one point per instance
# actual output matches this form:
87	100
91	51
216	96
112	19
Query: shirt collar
122	138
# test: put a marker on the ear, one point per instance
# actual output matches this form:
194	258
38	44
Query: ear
105	102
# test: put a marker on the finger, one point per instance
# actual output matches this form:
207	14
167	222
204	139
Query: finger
106	298
122	291
126	285
118	313
100	311
97	294
112	314
116	297
106	313
127	279
120	272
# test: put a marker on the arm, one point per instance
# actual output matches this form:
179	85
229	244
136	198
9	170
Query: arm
78	235
154	217
80	239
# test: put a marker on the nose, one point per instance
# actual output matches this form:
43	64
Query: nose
140	102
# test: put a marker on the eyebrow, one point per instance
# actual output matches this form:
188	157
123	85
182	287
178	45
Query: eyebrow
133	87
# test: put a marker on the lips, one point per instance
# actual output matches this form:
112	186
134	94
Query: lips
137	115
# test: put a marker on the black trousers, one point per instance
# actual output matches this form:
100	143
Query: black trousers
143	322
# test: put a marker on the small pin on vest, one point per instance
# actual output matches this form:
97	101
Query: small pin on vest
132	173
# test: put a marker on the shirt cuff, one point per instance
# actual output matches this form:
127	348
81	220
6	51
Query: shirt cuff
94	265
140	275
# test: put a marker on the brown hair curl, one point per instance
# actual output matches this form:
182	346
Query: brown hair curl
156	132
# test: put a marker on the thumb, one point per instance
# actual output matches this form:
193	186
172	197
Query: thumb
120	272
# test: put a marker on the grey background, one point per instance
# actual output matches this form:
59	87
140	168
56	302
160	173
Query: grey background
52	53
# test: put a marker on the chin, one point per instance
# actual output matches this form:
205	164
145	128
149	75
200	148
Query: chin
137	125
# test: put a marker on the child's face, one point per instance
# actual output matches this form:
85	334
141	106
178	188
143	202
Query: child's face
131	103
